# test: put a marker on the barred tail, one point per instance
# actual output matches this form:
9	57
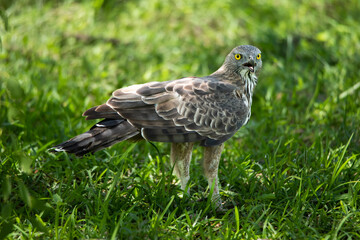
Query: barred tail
101	135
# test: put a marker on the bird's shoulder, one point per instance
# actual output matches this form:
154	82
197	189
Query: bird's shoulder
199	86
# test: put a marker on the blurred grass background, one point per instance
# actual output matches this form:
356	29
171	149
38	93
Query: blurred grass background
292	172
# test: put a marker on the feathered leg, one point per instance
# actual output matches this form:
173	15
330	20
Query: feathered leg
211	164
181	157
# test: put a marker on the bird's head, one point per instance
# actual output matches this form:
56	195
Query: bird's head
244	59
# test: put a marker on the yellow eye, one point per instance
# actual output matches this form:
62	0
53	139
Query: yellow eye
258	56
237	56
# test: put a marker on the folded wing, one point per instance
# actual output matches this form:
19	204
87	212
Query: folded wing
184	110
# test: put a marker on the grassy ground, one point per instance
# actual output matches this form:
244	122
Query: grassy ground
291	173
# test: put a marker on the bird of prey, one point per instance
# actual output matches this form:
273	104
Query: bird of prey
208	110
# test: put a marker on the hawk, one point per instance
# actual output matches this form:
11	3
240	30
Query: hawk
208	110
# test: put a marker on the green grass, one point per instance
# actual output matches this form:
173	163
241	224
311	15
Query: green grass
291	173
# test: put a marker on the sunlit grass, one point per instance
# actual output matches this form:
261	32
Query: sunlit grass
291	173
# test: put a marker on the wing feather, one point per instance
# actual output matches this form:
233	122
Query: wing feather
189	109
102	111
212	109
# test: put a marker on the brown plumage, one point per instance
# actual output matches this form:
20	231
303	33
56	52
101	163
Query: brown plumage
207	109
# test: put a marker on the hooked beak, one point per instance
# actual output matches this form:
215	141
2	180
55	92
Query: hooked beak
251	65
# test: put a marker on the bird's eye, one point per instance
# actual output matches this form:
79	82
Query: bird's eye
237	56
258	56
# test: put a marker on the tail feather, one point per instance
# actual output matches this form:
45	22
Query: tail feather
101	135
174	134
